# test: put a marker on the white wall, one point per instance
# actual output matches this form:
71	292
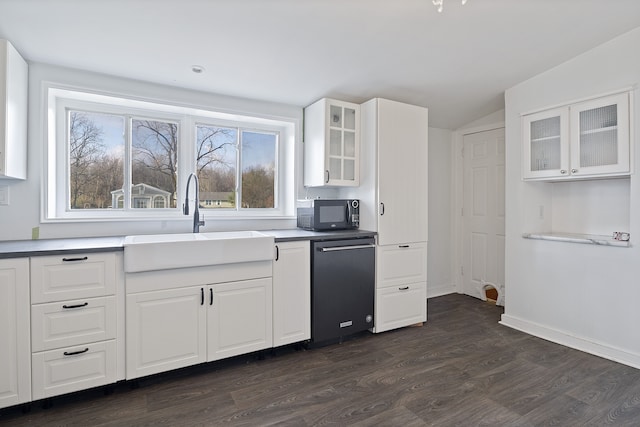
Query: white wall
439	281
584	296
23	212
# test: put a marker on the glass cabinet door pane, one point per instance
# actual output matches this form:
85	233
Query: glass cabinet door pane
335	143
349	144
335	168
349	118
545	144
599	136
349	170
335	119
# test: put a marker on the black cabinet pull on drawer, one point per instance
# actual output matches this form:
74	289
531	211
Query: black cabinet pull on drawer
403	246
75	259
404	288
73	353
76	305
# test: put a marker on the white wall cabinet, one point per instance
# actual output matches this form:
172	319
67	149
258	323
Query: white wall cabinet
590	139
291	293
74	322
393	193
173	328
13	113
331	144
15	351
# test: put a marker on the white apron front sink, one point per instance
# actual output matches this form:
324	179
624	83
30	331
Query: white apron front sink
168	251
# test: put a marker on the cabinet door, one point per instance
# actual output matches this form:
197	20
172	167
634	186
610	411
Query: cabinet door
291	293
546	144
15	352
402	172
165	330
600	136
239	318
398	265
342	148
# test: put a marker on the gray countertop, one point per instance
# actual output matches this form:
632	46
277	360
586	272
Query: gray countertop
27	248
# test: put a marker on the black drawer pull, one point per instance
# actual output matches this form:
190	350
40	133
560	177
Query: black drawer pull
201	296
403	246
73	353
76	305
75	259
210	296
405	288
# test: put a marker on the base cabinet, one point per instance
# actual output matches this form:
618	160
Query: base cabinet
180	327
15	351
291	293
400	306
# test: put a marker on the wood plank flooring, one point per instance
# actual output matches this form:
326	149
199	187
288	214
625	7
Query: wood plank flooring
461	369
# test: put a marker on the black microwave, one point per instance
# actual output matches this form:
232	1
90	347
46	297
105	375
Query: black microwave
330	214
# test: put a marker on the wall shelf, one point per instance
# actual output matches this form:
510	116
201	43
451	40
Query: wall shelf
589	239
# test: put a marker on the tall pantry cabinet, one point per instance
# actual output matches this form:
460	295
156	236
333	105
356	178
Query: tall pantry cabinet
393	191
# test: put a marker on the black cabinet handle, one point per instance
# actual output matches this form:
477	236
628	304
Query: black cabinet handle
75	259
76	305
73	353
210	296
405	288
403	246
381	208
201	296
277	253
327	177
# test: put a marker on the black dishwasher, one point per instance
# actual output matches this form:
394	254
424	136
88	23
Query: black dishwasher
342	288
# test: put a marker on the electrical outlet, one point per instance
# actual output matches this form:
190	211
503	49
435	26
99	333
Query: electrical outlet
4	195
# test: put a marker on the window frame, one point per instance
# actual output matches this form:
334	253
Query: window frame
55	197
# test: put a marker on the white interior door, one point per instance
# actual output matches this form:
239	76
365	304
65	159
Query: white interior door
483	212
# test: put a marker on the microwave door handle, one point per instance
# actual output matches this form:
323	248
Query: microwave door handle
349	213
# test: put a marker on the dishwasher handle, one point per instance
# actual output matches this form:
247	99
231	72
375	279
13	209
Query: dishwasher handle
347	248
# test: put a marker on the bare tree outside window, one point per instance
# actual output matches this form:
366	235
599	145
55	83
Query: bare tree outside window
216	163
258	169
96	148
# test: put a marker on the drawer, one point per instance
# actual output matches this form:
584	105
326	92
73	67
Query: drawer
400	306
73	368
68	323
73	276
400	264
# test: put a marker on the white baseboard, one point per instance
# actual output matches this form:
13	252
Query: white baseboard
578	343
439	290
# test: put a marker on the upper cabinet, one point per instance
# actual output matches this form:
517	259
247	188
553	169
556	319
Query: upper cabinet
13	113
584	140
331	144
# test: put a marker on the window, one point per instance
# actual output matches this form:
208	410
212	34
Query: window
115	158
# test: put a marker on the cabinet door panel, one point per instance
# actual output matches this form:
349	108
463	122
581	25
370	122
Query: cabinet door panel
15	369
292	293
400	264
165	330
400	306
546	139
240	318
402	172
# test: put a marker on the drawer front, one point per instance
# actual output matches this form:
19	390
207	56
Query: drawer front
400	306
66	277
55	372
400	264
69	323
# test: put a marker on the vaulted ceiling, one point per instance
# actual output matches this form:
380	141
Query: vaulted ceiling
458	62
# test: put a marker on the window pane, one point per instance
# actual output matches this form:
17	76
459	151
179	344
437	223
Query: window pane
216	160
96	153
258	169
154	163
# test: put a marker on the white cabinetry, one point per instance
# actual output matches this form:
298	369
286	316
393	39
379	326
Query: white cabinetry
331	143
190	320
13	113
393	196
73	322
589	139
15	370
291	293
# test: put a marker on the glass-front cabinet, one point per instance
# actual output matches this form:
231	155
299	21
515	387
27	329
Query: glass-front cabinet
331	143
589	139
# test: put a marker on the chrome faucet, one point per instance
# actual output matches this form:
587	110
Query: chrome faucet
197	222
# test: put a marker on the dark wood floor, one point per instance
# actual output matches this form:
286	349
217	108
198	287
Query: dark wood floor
461	369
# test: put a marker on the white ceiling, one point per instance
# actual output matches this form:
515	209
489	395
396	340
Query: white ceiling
458	63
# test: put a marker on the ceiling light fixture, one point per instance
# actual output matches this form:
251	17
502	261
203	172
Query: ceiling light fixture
440	4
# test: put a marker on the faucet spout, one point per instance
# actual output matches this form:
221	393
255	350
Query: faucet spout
197	222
